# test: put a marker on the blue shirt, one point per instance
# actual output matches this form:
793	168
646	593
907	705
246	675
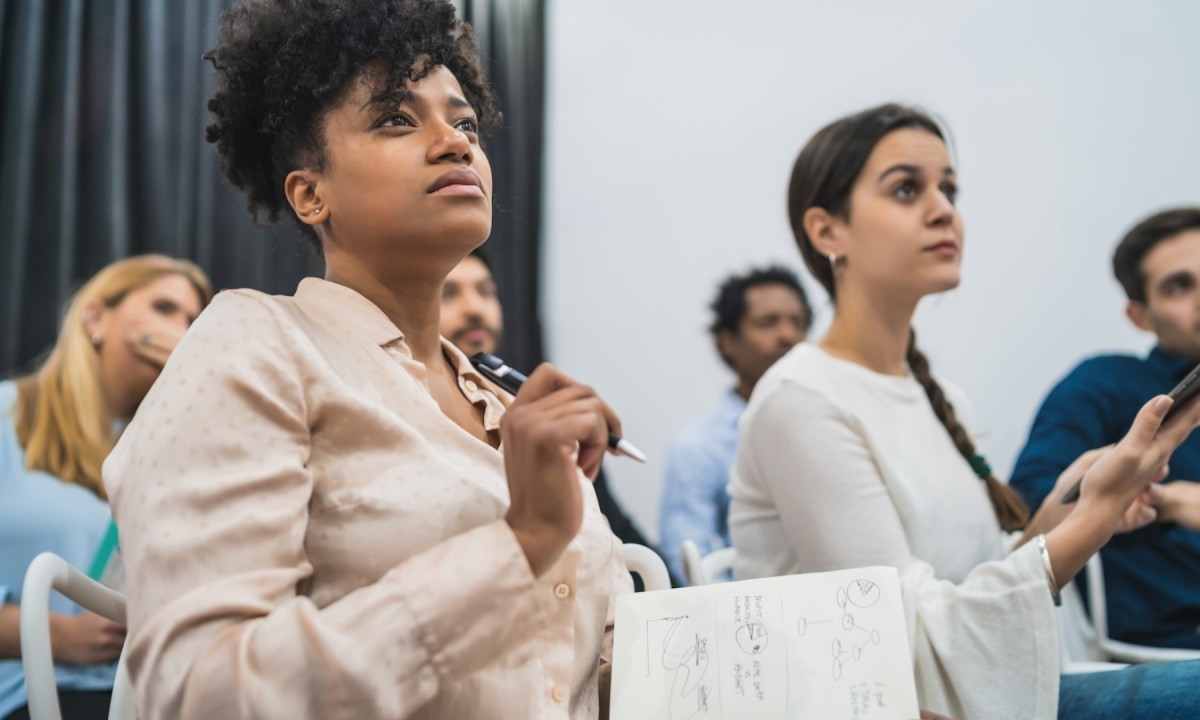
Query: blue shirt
1152	575
695	503
39	512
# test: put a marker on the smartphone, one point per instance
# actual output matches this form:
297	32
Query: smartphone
1184	391
1181	394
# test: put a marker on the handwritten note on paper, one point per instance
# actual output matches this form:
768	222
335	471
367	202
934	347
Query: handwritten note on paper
808	647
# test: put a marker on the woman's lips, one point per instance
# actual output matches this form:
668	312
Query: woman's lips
459	191
459	182
946	247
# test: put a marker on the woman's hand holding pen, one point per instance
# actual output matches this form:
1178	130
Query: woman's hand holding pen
555	427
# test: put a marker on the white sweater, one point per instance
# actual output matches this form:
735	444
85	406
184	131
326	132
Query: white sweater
841	467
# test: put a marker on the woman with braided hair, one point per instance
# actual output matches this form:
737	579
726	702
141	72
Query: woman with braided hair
852	453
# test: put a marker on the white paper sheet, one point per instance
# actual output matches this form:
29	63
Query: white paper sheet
821	646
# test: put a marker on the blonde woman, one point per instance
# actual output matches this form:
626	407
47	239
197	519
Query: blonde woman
58	425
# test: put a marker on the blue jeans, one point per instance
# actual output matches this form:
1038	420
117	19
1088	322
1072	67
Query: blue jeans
1162	691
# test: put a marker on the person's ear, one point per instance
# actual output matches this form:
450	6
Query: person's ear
302	189
725	344
95	320
1140	316
822	230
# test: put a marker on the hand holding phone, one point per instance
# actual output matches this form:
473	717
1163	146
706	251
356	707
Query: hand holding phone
1181	394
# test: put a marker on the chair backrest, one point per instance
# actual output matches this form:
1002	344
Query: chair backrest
1116	649
717	564
693	564
49	571
1077	637
708	569
648	565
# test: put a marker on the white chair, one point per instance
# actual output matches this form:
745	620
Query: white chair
648	565
708	569
1080	650
1098	623
49	571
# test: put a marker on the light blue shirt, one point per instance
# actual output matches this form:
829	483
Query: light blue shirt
695	503
39	512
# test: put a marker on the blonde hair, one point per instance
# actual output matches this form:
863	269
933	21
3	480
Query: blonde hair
61	418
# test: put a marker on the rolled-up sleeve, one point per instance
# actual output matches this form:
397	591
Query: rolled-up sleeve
211	488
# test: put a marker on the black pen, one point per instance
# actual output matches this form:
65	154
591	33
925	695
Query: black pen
494	369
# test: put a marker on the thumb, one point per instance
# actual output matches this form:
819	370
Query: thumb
1149	419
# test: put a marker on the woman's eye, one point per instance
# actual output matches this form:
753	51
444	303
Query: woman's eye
468	125
397	120
163	307
950	190
906	190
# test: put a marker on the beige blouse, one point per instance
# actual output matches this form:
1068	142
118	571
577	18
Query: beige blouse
307	535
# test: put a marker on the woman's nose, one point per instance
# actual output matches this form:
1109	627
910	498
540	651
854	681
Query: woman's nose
449	143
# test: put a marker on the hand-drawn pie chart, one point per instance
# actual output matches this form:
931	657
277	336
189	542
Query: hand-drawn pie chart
752	638
862	593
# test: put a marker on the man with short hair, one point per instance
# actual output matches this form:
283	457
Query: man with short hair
758	317
1152	575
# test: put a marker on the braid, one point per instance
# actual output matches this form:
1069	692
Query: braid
1010	510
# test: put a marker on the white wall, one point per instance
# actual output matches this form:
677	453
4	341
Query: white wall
673	125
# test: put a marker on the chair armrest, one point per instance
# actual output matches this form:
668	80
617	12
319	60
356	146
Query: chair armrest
49	571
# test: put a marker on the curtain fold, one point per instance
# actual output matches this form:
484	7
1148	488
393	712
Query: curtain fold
102	155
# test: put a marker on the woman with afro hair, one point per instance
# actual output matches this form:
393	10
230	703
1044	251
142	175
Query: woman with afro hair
316	515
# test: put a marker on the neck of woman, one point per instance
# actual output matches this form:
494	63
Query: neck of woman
872	330
411	300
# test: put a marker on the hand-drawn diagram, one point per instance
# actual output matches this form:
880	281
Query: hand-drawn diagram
685	655
859	594
752	638
767	649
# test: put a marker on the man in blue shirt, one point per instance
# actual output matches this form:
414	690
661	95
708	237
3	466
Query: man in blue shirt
758	317
1152	575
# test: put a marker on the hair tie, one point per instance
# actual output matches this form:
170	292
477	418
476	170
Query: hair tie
980	465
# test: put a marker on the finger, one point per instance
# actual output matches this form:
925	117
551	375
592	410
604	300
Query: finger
611	420
143	347
582	422
1148	420
1181	424
1153	495
566	395
590	459
564	401
544	380
115	633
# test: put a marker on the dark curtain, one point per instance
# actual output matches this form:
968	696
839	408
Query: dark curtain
511	41
102	155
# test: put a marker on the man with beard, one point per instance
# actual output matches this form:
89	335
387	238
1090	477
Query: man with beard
473	320
758	317
1152	575
471	315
